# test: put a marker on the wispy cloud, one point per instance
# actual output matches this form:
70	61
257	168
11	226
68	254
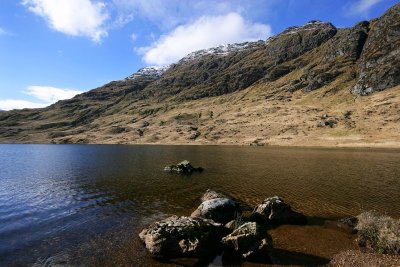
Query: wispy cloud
4	32
203	33
171	13
133	37
72	17
45	95
361	7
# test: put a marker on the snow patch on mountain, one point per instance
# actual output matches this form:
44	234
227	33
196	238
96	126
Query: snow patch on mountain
152	73
222	50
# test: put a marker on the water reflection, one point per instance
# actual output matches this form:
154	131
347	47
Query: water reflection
53	198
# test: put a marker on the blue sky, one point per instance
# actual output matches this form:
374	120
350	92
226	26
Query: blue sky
54	49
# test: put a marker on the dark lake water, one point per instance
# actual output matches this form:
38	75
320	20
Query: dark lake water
85	204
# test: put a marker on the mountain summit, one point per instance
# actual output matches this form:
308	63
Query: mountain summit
309	85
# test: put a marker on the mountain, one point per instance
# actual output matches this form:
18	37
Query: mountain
309	85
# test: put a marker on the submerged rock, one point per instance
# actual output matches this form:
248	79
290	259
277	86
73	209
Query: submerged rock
210	194
274	210
250	240
347	224
179	236
221	210
183	167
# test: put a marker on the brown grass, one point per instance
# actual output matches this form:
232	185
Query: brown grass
379	233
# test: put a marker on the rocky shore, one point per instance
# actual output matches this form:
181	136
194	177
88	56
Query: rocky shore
219	227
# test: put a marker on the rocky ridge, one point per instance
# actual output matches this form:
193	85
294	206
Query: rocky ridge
222	50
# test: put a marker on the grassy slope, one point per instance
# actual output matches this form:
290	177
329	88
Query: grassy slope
255	115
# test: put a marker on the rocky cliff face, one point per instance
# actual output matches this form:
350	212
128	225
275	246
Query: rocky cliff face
380	61
261	87
295	41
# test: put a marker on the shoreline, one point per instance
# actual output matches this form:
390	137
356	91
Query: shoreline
385	146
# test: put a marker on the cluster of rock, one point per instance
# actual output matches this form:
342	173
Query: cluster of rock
218	224
327	121
183	167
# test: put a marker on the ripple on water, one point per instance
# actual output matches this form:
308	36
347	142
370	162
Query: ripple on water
57	201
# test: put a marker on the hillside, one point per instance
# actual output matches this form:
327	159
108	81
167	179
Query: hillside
309	85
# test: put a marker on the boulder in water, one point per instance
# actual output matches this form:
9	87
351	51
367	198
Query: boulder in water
250	240
179	236
275	211
221	210
183	167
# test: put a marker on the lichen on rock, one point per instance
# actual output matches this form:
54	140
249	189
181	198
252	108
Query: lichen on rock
250	240
182	236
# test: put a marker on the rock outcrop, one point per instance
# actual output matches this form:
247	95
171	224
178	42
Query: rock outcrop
250	240
275	211
295	41
182	236
347	44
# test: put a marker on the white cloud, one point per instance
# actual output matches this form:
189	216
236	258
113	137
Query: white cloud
9	104
50	94
205	32
46	95
361	7
72	17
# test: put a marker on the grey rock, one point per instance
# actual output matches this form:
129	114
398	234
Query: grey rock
250	240
275	211
328	122
194	134
221	210
316	77
182	236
